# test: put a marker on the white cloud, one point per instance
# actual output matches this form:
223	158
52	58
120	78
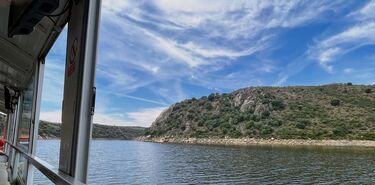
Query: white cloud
329	49
348	70
366	12
145	117
52	116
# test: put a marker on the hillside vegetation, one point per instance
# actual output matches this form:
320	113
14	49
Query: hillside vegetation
337	111
49	130
52	130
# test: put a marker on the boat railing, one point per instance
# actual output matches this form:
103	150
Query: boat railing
46	169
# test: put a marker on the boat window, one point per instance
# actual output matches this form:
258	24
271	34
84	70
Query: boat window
24	131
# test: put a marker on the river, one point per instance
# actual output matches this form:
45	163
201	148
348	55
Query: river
133	162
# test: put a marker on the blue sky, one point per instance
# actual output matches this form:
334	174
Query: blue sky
153	53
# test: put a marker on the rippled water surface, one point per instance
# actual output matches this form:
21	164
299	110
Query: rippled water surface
132	162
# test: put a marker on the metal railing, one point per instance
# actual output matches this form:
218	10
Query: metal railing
47	170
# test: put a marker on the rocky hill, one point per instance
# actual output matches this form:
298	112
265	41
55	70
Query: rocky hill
336	111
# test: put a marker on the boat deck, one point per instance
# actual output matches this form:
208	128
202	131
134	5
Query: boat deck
3	171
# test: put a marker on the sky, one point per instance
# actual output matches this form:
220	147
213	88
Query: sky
154	53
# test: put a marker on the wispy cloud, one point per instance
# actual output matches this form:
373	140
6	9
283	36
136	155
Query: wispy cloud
364	13
172	41
142	99
329	49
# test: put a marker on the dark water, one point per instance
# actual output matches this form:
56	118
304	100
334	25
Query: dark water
132	162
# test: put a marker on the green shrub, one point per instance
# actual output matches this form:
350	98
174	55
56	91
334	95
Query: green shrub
335	102
249	124
301	125
255	118
235	133
369	136
265	114
275	123
266	130
208	106
368	91
277	105
340	131
265	101
183	127
211	97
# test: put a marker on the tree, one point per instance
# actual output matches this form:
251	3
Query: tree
368	91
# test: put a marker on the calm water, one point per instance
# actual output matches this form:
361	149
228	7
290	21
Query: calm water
132	162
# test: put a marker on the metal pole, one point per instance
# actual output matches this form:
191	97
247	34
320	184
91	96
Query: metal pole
79	88
14	155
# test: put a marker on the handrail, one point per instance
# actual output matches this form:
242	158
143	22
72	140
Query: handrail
52	174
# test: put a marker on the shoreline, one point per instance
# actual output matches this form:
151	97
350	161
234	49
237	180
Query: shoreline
261	142
120	139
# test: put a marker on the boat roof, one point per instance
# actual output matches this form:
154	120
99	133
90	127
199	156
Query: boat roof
20	53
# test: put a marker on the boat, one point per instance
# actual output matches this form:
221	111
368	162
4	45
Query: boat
28	30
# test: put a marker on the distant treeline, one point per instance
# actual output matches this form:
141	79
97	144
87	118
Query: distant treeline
48	130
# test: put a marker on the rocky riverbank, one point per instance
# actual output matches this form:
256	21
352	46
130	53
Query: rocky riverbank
253	141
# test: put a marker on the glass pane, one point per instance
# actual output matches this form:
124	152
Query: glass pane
22	169
24	130
23	138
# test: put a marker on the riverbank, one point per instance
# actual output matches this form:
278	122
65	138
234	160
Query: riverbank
254	141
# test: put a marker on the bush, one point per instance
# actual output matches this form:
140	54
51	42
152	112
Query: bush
267	95
301	125
265	114
275	123
235	133
335	102
349	84
278	105
265	130
265	101
368	91
369	136
211	97
249	124
255	118
340	131
208	106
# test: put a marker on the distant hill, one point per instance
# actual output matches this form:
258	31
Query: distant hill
49	130
336	111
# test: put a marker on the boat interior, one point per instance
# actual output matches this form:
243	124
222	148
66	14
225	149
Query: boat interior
28	30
